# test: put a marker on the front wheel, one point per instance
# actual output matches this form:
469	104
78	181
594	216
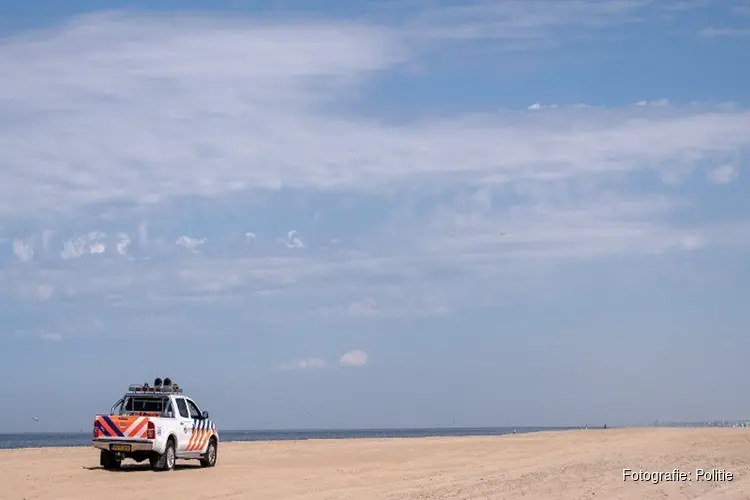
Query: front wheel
209	458
164	461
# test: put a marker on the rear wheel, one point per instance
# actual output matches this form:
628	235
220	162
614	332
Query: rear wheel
209	458
164	461
109	460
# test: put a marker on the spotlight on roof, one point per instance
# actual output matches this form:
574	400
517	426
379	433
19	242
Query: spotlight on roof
157	382
167	381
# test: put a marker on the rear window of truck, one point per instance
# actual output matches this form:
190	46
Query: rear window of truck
136	404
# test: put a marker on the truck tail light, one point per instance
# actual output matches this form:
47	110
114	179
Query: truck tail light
97	432
150	430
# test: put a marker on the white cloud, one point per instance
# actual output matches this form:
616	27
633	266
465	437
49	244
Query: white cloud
91	243
191	244
292	240
303	364
52	337
250	236
355	357
723	174
123	243
657	102
538	105
24	250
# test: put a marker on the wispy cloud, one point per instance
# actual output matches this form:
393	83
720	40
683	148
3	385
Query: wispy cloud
713	32
218	135
183	111
302	364
519	22
399	303
292	240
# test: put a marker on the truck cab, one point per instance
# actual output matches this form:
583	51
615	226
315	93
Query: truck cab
156	423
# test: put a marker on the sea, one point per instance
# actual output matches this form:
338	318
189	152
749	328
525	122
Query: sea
41	440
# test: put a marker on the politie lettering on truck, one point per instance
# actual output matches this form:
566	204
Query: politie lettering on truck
156	423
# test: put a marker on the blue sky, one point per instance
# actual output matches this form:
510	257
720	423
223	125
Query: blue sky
389	214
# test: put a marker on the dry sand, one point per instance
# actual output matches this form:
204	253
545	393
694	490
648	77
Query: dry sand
551	465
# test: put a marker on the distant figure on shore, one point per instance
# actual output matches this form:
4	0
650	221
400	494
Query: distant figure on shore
605	426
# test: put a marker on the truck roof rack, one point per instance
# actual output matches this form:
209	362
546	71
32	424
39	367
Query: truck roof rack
145	389
159	387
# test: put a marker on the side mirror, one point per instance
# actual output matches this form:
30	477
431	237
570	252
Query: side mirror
205	414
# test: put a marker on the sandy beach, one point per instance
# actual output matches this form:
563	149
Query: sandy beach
551	465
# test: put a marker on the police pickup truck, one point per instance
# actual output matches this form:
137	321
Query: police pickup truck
157	423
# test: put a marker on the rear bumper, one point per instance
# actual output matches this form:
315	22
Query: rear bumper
135	444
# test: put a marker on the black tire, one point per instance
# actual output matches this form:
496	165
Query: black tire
209	458
108	460
165	461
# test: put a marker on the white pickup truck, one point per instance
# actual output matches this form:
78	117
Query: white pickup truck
157	423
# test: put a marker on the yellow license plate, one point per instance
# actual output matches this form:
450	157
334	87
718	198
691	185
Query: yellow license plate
120	447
